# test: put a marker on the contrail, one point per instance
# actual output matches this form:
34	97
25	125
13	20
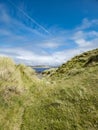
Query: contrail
31	19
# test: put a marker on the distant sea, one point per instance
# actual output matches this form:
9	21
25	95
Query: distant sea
39	70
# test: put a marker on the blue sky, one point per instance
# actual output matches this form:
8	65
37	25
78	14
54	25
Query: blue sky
47	32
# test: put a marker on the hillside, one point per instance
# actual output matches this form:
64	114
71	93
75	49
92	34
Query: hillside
75	65
67	99
15	83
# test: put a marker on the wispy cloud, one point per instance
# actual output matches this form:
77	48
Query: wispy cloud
28	17
29	45
87	24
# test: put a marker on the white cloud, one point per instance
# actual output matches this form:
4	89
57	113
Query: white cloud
50	45
87	24
31	46
56	58
82	42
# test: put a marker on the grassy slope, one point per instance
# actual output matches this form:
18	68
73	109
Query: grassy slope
71	100
76	64
71	104
67	102
15	83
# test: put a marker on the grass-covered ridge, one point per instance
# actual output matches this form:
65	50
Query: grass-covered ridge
76	64
67	101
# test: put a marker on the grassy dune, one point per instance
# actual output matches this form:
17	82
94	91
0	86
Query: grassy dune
76	65
66	100
70	104
15	83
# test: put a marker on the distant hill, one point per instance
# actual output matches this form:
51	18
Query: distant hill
65	99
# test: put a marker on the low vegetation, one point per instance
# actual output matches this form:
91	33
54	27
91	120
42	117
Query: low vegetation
67	99
76	65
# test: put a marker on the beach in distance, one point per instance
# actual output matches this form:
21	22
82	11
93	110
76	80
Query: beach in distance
40	69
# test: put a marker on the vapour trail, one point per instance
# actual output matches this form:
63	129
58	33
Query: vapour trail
31	19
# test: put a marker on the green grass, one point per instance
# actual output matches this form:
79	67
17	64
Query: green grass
15	83
76	64
67	99
71	104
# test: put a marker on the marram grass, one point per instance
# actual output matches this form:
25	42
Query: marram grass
65	100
